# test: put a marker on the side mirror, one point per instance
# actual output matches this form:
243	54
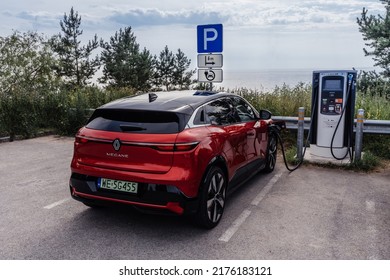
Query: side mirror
265	115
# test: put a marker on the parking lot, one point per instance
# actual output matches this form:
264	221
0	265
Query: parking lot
312	213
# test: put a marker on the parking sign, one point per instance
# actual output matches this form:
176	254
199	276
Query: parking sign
210	38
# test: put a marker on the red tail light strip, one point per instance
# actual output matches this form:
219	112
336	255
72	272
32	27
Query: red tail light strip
178	147
171	206
85	139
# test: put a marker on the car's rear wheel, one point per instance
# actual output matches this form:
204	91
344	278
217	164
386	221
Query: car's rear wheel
212	198
271	153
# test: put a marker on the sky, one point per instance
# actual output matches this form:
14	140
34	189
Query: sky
257	34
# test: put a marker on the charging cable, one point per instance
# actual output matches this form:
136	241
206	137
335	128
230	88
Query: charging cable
276	130
350	78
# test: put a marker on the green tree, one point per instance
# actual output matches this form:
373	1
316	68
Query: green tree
124	65
146	69
26	63
165	69
376	31
171	70
76	65
182	77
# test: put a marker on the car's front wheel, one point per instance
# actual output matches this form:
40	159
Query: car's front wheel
212	198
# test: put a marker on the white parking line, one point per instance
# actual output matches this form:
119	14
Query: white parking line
235	226
266	189
50	206
372	232
245	214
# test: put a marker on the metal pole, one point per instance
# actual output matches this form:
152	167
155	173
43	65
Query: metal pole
359	135
300	136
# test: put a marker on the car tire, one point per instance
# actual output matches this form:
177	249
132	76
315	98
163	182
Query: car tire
272	151
212	198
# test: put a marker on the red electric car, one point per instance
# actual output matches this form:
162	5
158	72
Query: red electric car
179	152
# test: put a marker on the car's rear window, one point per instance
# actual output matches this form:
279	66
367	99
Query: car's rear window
135	121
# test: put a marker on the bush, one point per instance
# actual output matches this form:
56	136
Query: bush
282	101
74	108
378	145
18	113
53	110
373	84
375	107
58	109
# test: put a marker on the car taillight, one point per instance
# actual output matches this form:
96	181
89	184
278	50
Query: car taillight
164	147
80	140
183	147
179	147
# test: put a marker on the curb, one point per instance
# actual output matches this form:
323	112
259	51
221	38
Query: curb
19	137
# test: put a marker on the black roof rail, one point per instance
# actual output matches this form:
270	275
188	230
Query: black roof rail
204	93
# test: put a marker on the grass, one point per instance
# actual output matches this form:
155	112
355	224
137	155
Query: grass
281	101
369	162
375	107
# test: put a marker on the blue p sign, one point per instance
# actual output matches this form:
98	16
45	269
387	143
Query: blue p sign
210	38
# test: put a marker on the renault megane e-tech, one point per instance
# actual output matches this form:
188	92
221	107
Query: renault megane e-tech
178	152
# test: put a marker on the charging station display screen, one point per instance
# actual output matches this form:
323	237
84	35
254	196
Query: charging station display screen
332	84
332	95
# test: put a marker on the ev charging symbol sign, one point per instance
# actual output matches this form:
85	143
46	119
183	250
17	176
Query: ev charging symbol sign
210	38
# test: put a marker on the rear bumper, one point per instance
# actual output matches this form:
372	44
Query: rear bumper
150	196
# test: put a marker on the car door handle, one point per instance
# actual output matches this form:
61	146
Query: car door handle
250	133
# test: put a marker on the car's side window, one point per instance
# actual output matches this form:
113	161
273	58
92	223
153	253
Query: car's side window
244	110
200	117
221	112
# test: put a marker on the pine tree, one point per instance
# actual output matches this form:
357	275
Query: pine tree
146	69
165	67
182	77
376	31
123	63
76	66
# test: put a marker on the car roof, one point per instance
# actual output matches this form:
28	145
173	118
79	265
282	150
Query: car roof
175	101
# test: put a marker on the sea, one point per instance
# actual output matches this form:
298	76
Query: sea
265	80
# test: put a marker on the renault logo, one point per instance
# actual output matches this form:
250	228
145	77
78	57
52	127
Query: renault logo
116	144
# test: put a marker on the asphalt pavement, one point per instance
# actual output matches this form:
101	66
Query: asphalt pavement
312	213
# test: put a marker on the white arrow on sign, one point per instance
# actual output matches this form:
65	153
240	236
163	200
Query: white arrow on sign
210	60
210	75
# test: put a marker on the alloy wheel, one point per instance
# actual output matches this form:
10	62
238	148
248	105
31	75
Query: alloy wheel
216	197
271	153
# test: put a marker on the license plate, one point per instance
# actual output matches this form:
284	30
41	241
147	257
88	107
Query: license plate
116	185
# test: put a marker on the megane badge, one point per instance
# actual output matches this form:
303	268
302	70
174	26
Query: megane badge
116	144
